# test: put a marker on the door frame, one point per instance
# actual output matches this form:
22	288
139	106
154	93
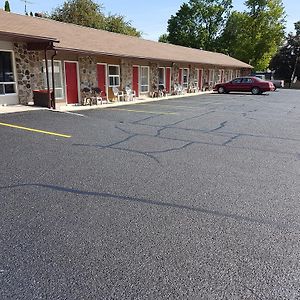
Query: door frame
78	80
12	98
139	79
106	77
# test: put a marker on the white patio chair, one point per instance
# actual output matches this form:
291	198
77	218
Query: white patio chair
119	95
130	94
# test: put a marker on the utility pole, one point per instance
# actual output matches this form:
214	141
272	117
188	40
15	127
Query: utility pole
26	2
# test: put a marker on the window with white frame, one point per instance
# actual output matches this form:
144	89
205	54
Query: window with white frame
161	77
196	79
219	76
237	73
114	75
230	74
211	77
144	79
7	76
58	78
185	78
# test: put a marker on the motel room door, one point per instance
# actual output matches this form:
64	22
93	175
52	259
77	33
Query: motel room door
135	80
102	79
71	70
168	80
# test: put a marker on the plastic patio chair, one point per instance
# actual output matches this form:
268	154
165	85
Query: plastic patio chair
118	94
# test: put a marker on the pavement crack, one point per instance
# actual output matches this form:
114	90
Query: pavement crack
172	149
231	140
222	125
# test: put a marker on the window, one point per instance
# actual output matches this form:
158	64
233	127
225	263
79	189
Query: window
211	76
144	79
185	78
219	80
237	80
7	78
58	79
247	80
161	76
114	75
196	79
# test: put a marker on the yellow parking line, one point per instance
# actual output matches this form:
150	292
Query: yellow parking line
145	111
35	130
169	105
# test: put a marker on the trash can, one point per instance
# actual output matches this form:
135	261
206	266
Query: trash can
41	98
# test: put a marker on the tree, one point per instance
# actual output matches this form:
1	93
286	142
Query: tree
198	23
118	24
7	6
255	35
81	12
90	14
286	63
164	38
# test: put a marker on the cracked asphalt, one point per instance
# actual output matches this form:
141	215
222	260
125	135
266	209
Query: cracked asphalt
190	198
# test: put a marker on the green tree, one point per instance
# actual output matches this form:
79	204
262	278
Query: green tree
255	35
117	23
297	27
7	6
197	23
286	62
90	14
164	38
81	12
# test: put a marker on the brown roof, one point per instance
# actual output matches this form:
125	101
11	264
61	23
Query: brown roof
84	39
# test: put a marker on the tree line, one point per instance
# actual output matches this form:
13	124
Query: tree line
252	36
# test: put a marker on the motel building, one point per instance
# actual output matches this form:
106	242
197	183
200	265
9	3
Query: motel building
37	54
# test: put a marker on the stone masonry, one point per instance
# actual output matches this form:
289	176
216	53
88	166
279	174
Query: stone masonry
29	71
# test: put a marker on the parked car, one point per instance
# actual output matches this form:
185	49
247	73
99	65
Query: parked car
245	84
277	83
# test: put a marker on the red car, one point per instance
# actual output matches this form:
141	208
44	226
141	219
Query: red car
245	84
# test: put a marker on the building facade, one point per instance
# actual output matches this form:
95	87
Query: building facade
40	54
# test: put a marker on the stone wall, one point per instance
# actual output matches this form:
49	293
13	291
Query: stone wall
88	71
154	73
29	75
126	73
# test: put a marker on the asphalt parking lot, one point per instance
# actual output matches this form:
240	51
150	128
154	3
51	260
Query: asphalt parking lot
190	198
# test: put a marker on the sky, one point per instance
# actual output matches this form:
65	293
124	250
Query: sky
150	17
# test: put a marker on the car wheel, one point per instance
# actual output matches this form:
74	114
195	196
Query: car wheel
221	90
255	91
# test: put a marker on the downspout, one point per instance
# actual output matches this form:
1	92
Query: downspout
53	104
47	76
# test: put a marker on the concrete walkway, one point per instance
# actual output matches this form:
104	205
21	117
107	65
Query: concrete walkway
69	108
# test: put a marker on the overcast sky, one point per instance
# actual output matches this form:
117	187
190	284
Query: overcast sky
149	17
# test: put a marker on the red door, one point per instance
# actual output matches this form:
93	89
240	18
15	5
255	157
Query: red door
168	80
101	74
135	80
71	82
180	76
